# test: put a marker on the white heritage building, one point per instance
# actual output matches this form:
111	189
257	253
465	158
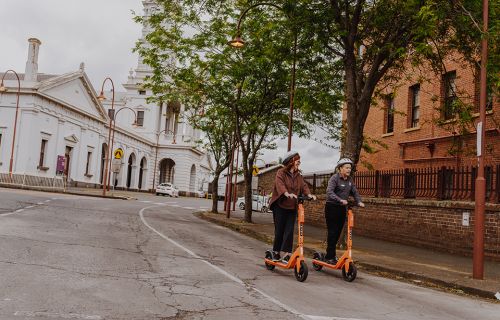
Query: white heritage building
61	120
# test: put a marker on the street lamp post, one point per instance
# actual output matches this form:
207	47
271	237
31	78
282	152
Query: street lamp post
134	124
480	193
111	117
3	89
156	153
238	42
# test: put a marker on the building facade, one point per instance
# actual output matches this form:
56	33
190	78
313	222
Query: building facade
63	131
417	121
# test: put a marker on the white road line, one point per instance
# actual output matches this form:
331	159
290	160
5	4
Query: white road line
145	201
19	210
37	314
160	203
173	205
189	208
22	209
28	207
233	278
48	200
39	203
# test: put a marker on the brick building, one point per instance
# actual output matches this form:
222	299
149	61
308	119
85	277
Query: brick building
415	119
410	198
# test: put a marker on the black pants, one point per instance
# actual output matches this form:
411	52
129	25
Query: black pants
284	223
335	220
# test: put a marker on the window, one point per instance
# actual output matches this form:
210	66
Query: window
389	115
43	148
140	118
142	92
450	94
414	110
167	124
87	166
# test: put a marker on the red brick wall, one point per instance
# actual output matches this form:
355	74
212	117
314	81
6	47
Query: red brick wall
411	147
429	224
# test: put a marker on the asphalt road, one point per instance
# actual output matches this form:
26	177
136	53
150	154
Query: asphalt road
71	257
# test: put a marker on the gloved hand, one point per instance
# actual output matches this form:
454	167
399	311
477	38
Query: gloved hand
290	195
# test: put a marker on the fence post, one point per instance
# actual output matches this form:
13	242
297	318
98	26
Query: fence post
377	180
473	185
497	187
441	183
314	183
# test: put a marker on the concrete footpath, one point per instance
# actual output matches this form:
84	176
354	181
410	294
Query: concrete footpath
416	265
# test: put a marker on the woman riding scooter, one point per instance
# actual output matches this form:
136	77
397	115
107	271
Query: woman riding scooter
288	184
340	187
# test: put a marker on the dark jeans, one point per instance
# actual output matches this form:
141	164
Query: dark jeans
335	219
284	223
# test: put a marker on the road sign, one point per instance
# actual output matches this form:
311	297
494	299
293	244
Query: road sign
255	171
118	153
116	165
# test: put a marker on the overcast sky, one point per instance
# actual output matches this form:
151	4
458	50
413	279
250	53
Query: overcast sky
100	33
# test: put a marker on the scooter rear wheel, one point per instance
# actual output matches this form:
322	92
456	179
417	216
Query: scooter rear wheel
350	275
269	256
317	256
301	276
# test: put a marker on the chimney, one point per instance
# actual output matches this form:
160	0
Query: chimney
30	74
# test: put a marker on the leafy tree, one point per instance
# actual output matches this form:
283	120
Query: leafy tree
193	64
374	41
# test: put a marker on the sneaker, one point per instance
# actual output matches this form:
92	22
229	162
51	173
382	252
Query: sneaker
332	261
285	259
276	256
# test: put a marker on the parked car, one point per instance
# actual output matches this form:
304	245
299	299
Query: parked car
200	194
167	189
259	203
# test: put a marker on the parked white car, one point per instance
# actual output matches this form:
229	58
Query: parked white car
259	203
167	189
200	194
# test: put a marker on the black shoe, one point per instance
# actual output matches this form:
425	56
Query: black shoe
285	259
276	256
332	261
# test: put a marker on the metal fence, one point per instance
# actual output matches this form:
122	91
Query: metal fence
443	183
24	180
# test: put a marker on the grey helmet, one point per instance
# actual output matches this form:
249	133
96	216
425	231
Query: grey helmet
343	161
289	156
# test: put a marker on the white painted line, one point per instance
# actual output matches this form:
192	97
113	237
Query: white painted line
19	210
39	203
160	204
38	314
48	200
145	201
29	207
189	208
234	278
54	198
174	205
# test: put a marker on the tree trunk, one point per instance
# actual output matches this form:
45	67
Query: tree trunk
248	196
215	192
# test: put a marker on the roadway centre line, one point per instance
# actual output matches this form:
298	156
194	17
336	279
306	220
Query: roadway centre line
234	278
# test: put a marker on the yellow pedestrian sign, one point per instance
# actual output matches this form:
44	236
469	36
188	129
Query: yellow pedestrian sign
118	153
255	171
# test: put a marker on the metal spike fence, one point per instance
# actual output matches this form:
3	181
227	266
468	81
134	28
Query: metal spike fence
442	183
24	180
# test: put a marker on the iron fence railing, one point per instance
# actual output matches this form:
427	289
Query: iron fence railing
22	180
442	183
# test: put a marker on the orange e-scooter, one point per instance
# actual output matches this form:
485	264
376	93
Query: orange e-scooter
345	262
296	261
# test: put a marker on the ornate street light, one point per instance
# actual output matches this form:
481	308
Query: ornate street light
101	97
2	90
238	42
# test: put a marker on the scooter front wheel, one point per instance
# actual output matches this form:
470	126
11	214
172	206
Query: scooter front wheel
301	276
350	275
317	256
269	256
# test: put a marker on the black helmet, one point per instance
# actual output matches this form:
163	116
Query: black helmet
289	156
